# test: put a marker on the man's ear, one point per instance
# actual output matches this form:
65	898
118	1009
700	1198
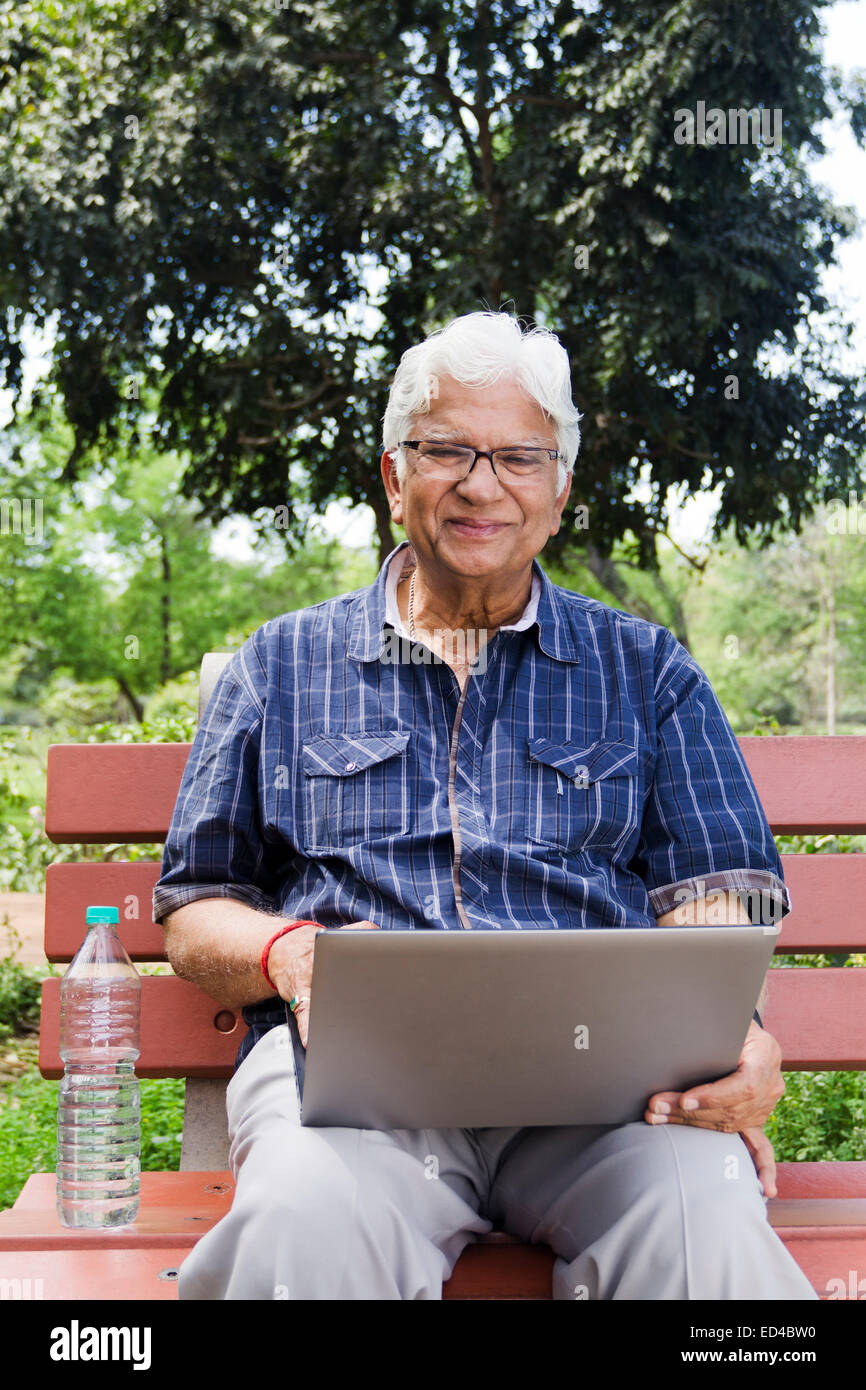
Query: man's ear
388	467
559	505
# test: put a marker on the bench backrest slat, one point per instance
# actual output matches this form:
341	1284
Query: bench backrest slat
102	793
825	889
818	1017
810	785
99	793
179	1035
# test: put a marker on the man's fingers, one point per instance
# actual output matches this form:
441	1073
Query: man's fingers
741	1096
763	1157
716	1105
302	1012
706	1103
663	1102
302	1018
758	1144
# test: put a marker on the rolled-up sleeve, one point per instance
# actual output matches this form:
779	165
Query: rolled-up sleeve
214	847
704	830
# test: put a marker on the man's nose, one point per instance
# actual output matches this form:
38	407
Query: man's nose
482	476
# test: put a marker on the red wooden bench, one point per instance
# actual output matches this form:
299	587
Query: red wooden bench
99	794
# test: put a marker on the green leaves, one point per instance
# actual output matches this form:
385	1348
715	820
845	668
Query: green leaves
304	192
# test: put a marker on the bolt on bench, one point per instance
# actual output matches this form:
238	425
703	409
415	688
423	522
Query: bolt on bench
103	793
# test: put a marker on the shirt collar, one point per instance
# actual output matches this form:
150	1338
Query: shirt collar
371	610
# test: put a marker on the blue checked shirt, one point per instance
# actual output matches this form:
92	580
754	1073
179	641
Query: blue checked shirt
585	776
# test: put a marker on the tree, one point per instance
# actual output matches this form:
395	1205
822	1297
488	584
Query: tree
202	197
119	581
781	632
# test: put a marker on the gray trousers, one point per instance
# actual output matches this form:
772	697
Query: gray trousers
633	1211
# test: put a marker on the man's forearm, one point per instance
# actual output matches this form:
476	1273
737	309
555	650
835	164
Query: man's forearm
734	911
217	944
693	913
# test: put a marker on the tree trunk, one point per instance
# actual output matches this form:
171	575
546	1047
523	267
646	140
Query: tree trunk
606	572
679	626
382	512
165	659
134	702
831	645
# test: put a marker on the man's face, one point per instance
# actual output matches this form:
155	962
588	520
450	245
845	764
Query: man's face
484	524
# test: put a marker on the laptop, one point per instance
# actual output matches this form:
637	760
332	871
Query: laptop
476	1029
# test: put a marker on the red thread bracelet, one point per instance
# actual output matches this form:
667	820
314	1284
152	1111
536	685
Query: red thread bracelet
276	936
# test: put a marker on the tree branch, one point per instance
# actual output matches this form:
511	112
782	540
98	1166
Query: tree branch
355	56
438	78
456	104
529	99
699	565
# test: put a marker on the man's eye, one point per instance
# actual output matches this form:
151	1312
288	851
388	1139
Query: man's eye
519	458
441	451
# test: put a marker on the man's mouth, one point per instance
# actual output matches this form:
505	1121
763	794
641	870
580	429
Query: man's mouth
476	528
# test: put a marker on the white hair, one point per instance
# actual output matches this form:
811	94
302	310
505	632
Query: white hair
480	349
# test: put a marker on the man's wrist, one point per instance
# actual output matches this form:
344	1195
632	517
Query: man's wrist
291	925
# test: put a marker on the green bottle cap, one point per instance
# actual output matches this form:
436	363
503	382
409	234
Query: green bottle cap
95	915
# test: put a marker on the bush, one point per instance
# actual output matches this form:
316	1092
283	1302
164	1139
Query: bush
161	1123
20	989
68	704
822	1115
20	993
175	703
25	851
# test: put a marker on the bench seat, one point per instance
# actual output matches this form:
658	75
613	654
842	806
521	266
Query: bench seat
814	1211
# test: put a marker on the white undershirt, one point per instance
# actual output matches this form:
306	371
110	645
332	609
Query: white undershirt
392	612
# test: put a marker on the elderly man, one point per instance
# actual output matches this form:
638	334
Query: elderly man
462	746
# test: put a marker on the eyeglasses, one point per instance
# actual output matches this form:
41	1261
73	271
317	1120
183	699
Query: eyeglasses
454	462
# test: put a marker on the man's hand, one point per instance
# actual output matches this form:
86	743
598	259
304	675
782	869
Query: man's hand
763	1157
290	966
739	1103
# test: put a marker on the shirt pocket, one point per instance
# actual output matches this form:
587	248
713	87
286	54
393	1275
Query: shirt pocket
581	798
355	788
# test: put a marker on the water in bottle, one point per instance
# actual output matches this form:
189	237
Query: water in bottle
98	1117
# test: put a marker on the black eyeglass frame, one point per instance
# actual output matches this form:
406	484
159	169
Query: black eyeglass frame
553	454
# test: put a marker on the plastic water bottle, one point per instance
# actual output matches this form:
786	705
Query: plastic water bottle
99	1112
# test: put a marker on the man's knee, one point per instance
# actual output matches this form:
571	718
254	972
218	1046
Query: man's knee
680	1214
693	1183
297	1188
286	1226
303	1226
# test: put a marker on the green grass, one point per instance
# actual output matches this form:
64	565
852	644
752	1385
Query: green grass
28	1129
28	1102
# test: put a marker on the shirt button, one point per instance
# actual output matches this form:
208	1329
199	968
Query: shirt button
350	767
